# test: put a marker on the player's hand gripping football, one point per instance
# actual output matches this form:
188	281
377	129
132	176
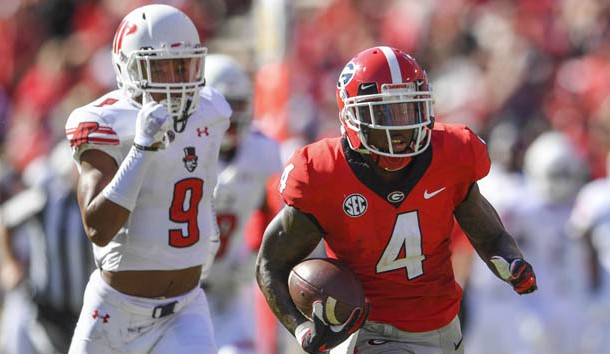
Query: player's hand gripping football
152	123
318	336
517	272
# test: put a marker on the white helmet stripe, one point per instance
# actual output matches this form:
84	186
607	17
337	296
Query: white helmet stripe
393	64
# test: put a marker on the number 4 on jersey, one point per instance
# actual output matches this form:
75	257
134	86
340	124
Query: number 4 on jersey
406	236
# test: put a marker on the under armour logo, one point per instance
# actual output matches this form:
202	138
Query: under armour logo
204	131
96	315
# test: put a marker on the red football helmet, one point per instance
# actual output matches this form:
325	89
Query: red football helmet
385	105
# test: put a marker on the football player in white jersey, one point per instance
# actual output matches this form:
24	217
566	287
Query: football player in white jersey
589	223
147	154
248	160
551	320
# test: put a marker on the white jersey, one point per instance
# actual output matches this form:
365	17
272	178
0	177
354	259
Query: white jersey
241	190
548	320
592	215
592	207
173	225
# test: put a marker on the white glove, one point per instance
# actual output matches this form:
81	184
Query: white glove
152	123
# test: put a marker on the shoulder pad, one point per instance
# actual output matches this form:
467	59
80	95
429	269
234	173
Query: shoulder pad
217	100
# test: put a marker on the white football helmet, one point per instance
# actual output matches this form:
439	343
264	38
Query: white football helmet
223	73
554	167
156	50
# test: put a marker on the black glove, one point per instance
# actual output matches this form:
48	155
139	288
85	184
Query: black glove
518	273
316	337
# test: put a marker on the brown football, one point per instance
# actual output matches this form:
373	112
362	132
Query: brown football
327	280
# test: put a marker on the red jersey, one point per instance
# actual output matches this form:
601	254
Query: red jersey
396	238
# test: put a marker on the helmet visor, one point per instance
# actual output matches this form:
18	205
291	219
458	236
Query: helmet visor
377	114
166	71
391	126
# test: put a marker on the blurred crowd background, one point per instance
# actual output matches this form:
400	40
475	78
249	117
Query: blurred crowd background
509	69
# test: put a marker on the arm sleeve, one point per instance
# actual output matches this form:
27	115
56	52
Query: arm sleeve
297	188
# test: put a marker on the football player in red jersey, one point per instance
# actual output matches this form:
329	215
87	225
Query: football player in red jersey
383	197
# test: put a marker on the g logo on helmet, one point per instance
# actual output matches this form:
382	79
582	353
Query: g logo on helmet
347	74
355	205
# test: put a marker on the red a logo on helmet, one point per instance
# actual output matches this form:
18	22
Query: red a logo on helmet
125	28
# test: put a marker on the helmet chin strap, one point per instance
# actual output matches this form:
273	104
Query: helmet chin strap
390	164
180	124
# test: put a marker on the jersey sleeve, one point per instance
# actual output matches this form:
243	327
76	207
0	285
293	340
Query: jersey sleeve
87	130
219	102
591	206
480	157
462	156
296	186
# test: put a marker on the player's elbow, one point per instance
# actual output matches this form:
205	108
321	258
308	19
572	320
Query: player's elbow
99	237
100	232
262	272
103	221
258	268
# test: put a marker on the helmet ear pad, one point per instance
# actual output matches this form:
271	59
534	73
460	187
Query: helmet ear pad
365	88
352	136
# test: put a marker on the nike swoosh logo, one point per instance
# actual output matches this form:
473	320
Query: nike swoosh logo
432	194
377	342
365	87
457	345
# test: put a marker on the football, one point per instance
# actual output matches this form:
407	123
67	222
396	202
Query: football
327	280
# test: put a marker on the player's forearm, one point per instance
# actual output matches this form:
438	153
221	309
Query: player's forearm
481	223
489	242
276	293
288	239
102	218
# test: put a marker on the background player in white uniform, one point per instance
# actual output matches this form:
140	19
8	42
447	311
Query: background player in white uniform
248	159
590	224
147	176
550	320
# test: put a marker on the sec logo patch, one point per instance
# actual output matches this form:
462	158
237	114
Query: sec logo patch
355	205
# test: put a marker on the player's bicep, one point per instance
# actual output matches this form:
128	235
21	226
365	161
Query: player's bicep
478	219
290	237
97	170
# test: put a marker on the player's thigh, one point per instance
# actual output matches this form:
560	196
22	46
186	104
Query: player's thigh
384	339
103	327
190	331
